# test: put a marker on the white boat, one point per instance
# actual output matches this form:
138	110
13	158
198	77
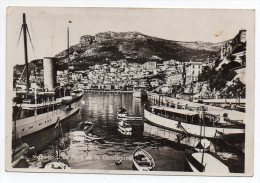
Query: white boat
57	164
35	117
122	113
142	160
205	162
125	127
190	122
36	110
124	132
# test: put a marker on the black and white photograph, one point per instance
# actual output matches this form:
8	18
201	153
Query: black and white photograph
157	91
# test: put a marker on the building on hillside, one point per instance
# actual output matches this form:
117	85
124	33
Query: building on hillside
192	71
150	65
175	79
155	82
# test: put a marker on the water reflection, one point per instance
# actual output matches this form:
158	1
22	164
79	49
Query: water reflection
101	109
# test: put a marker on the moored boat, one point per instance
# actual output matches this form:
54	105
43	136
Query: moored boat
125	127
93	137
205	162
122	113
35	109
57	164
85	126
19	153
142	160
191	122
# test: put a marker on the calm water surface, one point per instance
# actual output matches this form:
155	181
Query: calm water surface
101	109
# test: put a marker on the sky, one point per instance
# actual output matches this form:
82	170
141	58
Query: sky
48	26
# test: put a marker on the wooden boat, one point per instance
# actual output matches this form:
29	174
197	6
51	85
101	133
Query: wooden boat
124	132
19	153
86	126
40	161
57	164
122	113
142	160
205	162
124	127
241	108
93	137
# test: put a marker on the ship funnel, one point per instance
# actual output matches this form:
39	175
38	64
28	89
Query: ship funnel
49	73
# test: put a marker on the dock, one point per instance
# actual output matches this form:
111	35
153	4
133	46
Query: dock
223	101
133	118
107	91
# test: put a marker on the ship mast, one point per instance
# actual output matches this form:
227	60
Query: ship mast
24	27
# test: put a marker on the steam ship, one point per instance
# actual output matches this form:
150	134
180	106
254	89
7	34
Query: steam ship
192	122
36	109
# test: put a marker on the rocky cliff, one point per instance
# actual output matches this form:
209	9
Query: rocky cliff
135	47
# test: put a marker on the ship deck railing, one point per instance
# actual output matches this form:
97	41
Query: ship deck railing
215	123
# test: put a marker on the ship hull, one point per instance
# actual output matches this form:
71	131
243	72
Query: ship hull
190	129
30	125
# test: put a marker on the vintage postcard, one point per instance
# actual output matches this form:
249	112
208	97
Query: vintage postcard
130	90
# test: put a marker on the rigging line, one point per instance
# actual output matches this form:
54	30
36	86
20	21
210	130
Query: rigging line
33	34
22	74
19	37
31	42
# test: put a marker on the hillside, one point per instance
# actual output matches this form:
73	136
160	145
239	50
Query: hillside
132	46
135	47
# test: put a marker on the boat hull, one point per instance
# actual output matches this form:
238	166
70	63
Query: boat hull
143	168
190	129
125	129
210	163
30	125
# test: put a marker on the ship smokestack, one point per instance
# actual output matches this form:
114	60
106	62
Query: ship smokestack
49	73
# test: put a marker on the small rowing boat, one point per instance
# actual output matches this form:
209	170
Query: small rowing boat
124	127
93	137
57	164
86	126
142	160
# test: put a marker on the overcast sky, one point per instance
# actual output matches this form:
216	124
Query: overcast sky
48	26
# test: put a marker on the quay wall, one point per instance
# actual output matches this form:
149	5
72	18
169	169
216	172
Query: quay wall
108	91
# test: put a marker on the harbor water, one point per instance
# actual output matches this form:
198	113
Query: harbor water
163	145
